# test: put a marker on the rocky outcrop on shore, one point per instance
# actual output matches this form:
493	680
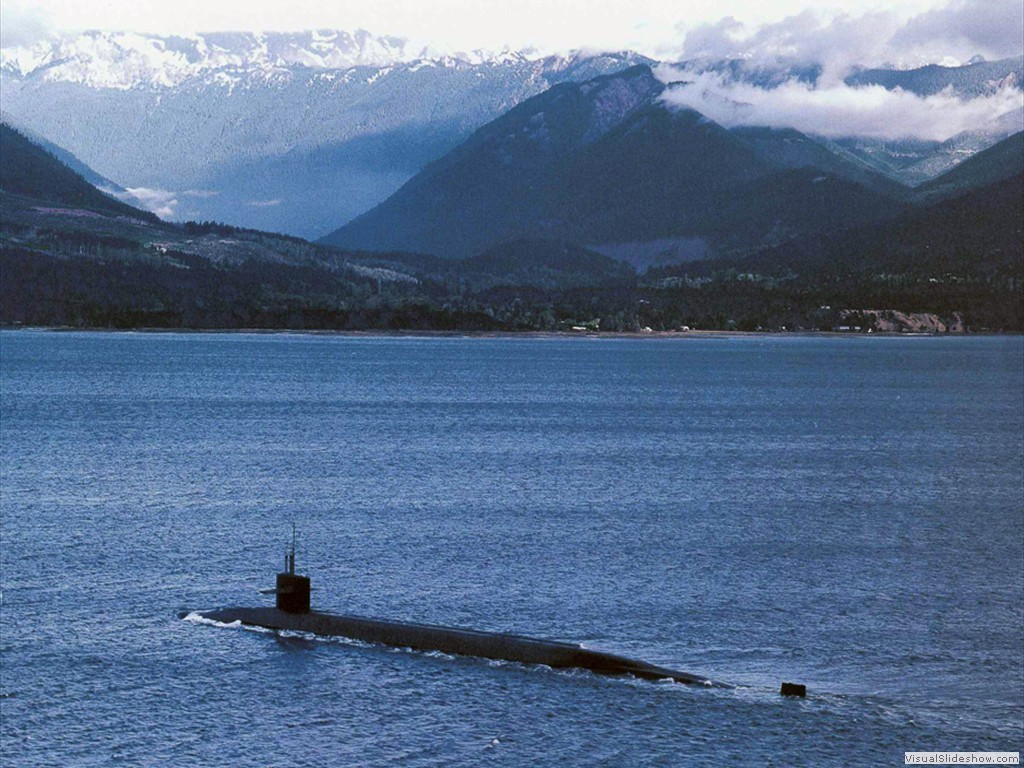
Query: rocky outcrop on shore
894	321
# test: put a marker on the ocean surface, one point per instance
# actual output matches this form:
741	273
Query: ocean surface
846	513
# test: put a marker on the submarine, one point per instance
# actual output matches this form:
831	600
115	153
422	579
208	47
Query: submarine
292	612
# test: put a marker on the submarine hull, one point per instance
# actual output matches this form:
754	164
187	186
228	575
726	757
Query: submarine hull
462	642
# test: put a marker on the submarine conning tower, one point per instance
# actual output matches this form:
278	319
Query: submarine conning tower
292	590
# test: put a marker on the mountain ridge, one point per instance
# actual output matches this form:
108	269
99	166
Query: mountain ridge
126	60
33	171
608	161
971	79
998	162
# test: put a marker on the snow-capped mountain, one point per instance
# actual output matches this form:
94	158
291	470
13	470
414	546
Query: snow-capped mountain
129	60
301	132
289	132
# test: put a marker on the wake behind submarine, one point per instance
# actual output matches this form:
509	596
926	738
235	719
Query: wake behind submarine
292	612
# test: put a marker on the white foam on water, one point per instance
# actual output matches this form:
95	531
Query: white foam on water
197	618
312	637
433	654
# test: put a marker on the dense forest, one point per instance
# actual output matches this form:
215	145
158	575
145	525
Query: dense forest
111	283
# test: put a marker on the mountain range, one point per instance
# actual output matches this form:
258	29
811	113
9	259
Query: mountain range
293	133
609	162
788	243
302	132
528	192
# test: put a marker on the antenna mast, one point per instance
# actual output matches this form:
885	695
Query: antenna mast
289	554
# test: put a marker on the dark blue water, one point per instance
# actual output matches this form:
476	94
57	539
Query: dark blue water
846	513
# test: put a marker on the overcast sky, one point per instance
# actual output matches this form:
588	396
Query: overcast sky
661	28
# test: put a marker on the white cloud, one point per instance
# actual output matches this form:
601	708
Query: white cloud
837	109
264	203
159	201
994	28
837	42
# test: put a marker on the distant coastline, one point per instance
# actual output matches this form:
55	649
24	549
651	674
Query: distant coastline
443	333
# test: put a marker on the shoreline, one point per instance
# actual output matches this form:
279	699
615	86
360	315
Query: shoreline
430	333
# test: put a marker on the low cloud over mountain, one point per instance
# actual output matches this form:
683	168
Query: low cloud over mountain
839	109
809	71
